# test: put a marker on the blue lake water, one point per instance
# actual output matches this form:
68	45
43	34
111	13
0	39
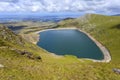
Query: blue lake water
69	42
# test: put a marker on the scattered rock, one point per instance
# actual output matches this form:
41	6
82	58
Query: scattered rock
23	52
20	52
1	66
38	57
116	70
28	54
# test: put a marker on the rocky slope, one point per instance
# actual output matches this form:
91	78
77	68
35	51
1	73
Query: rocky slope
13	42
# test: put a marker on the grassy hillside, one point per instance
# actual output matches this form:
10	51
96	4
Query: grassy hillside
106	29
28	66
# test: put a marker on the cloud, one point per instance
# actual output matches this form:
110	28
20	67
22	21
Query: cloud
104	6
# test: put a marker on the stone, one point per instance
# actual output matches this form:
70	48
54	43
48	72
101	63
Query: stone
116	70
38	57
1	66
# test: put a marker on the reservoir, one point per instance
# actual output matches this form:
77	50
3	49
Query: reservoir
69	42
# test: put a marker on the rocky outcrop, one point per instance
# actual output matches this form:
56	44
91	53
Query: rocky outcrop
7	35
11	41
27	54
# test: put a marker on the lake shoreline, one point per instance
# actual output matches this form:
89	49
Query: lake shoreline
106	53
107	57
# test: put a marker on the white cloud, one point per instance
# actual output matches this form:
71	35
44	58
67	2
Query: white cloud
105	6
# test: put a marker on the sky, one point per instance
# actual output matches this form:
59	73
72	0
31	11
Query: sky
86	6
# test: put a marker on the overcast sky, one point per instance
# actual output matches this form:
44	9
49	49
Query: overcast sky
88	6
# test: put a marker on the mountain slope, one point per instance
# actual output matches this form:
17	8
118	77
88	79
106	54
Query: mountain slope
105	29
11	41
52	67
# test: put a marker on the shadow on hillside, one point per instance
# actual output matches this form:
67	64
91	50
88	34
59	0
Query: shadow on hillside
16	27
116	26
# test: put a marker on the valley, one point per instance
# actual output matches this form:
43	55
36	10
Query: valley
105	29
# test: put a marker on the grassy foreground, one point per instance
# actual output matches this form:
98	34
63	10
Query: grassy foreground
20	67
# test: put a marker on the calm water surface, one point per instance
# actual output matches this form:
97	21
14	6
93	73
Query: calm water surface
69	42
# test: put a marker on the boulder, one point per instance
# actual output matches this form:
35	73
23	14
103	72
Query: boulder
116	70
38	57
1	66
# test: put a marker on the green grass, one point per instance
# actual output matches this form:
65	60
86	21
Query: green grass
19	67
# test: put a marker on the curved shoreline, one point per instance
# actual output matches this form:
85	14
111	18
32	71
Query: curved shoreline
107	57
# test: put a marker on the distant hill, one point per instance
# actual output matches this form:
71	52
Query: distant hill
117	15
68	18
